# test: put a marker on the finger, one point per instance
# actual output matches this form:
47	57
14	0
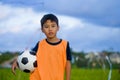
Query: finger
14	66
14	73
13	70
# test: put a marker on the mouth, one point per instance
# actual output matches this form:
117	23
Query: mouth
50	33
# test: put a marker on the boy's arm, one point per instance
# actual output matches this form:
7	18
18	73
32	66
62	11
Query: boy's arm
68	70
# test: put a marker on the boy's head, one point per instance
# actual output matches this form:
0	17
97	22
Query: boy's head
49	17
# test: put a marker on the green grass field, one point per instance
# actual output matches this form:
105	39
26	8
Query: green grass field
76	74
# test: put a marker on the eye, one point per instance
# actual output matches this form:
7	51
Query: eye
45	26
53	26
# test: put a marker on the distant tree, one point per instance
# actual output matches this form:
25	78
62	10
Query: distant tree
7	55
79	59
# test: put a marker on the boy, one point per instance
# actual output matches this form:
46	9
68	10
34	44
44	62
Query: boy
53	54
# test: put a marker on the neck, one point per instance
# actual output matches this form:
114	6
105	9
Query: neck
53	40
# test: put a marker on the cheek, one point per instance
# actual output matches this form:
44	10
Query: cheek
44	31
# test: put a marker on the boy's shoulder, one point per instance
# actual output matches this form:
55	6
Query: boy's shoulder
61	41
65	40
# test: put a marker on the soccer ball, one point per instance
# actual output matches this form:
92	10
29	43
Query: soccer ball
26	61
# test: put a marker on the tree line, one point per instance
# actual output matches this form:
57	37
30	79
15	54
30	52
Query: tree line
78	58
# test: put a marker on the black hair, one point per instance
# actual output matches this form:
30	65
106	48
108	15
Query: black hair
51	17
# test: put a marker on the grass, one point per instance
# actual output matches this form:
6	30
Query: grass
93	74
6	74
76	74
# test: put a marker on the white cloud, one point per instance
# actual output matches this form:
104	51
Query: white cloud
70	22
18	19
81	34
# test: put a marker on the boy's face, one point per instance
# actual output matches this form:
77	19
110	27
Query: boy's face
50	29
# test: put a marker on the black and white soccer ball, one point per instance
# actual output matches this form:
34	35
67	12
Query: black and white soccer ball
27	61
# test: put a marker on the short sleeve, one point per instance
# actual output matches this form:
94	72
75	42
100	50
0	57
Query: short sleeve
68	52
36	47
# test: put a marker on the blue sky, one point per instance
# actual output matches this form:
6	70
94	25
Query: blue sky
89	25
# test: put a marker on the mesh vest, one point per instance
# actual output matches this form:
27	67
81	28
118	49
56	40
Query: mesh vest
51	60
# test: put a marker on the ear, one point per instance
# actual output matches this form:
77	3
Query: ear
42	30
58	28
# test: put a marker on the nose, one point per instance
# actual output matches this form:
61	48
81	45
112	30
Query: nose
50	28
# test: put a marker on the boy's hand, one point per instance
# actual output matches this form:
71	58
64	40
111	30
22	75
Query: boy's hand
14	66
